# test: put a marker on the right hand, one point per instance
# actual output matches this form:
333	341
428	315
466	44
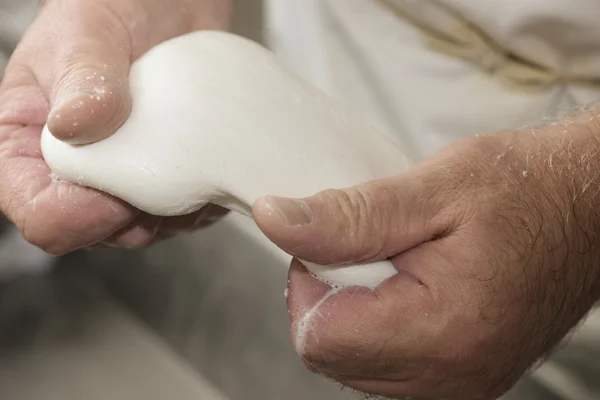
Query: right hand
495	240
71	71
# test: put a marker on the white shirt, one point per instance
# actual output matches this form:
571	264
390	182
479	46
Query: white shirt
376	61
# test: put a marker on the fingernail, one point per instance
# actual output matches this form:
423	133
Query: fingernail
292	212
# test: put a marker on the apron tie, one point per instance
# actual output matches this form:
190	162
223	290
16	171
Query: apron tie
461	39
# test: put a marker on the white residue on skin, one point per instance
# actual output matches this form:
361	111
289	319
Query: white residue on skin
305	325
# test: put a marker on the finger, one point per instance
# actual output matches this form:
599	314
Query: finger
140	233
380	341
148	229
202	218
338	332
368	222
86	82
54	215
110	243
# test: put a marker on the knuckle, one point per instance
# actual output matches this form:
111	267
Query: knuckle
330	357
357	351
54	234
352	213
351	357
48	243
376	204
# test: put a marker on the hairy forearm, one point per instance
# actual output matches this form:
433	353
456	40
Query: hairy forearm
542	185
571	161
550	180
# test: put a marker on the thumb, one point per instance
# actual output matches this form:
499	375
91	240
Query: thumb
88	84
368	222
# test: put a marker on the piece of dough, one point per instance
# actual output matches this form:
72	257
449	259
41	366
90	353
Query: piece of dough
217	119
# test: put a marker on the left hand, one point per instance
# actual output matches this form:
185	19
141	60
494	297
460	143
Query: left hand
496	243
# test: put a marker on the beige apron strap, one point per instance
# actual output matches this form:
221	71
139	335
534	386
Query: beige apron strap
447	32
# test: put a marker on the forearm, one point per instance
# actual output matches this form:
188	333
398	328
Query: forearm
550	180
571	162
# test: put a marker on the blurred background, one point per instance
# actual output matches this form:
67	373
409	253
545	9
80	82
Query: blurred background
202	316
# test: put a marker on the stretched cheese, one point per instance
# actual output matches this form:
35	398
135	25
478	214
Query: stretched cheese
216	119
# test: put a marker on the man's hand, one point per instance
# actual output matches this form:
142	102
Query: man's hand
71	70
496	243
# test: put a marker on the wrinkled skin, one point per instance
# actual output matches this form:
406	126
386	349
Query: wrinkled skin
71	70
496	243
